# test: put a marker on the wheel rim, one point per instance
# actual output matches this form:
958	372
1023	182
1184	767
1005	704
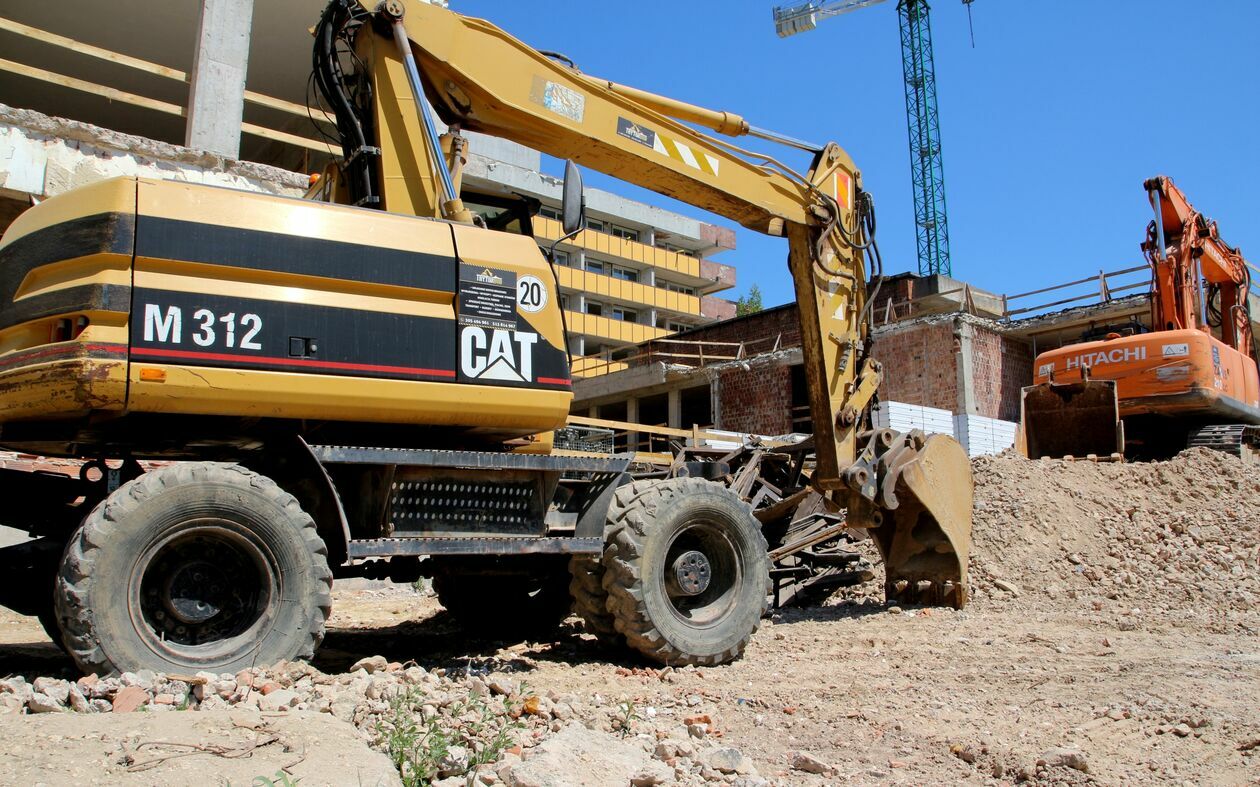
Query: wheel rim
204	588
702	574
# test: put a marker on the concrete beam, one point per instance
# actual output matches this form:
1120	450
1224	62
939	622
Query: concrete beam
216	98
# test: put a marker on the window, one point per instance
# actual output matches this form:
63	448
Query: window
550	213
594	266
504	214
625	274
624	233
669	285
595	225
671	326
563	258
595	308
624	314
564	302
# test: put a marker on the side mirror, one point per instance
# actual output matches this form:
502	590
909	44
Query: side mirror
573	208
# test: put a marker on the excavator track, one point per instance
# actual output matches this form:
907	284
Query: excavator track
1238	440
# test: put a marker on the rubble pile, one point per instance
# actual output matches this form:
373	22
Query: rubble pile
437	727
1178	536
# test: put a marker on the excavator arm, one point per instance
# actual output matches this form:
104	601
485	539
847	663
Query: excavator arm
914	493
1185	247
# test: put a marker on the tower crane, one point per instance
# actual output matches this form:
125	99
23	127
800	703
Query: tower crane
926	165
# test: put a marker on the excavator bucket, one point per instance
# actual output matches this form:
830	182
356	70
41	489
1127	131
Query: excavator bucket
1079	419
924	521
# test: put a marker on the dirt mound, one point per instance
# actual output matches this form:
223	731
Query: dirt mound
1169	536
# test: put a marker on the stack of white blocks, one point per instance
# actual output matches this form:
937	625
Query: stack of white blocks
982	436
978	435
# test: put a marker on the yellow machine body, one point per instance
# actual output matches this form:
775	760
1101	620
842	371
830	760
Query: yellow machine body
142	296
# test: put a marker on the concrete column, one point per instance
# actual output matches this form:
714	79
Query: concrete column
648	277
216	99
964	333
715	402
675	410
632	416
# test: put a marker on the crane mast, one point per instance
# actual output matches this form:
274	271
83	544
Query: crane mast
923	119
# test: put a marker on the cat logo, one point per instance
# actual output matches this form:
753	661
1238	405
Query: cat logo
497	355
488	276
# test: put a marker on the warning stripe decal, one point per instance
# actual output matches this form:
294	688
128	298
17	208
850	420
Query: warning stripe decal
681	152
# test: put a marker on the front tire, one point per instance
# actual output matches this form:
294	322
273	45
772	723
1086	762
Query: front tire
687	571
194	566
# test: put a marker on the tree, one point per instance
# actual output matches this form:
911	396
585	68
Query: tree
750	303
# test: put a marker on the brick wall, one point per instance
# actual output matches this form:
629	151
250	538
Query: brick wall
1001	367
919	365
897	289
757	400
759	330
717	308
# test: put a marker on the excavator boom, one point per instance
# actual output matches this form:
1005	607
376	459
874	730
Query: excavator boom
367	382
479	78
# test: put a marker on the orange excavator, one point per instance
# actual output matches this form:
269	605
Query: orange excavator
1189	381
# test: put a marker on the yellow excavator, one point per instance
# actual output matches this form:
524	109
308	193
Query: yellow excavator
270	392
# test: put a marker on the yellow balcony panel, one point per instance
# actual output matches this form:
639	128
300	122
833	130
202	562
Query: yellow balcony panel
614	331
597	285
595	366
602	243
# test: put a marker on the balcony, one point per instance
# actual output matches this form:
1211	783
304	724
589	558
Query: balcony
600	243
601	286
614	331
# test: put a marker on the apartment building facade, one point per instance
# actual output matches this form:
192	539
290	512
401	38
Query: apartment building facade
69	85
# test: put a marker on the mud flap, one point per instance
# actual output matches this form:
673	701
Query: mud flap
922	520
1077	419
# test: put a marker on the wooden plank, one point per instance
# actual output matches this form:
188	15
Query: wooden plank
114	94
111	93
290	107
625	426
292	139
46	37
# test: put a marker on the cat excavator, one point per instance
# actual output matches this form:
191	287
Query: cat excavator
1190	381
271	392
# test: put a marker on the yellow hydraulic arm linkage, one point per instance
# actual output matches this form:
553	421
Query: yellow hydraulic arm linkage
914	493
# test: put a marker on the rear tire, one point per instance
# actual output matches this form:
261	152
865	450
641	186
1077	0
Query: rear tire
687	571
194	566
590	600
505	606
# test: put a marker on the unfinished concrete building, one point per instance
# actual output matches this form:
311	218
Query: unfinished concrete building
955	359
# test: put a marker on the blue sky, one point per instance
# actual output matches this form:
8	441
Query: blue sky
1050	124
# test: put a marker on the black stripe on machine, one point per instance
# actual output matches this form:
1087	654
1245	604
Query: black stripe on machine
195	329
102	233
213	244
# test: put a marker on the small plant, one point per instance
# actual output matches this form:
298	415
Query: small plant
418	747
281	779
627	715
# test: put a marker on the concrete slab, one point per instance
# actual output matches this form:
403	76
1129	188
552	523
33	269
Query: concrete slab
188	747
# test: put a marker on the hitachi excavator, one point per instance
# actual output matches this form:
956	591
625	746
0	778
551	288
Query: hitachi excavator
1190	381
272	392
